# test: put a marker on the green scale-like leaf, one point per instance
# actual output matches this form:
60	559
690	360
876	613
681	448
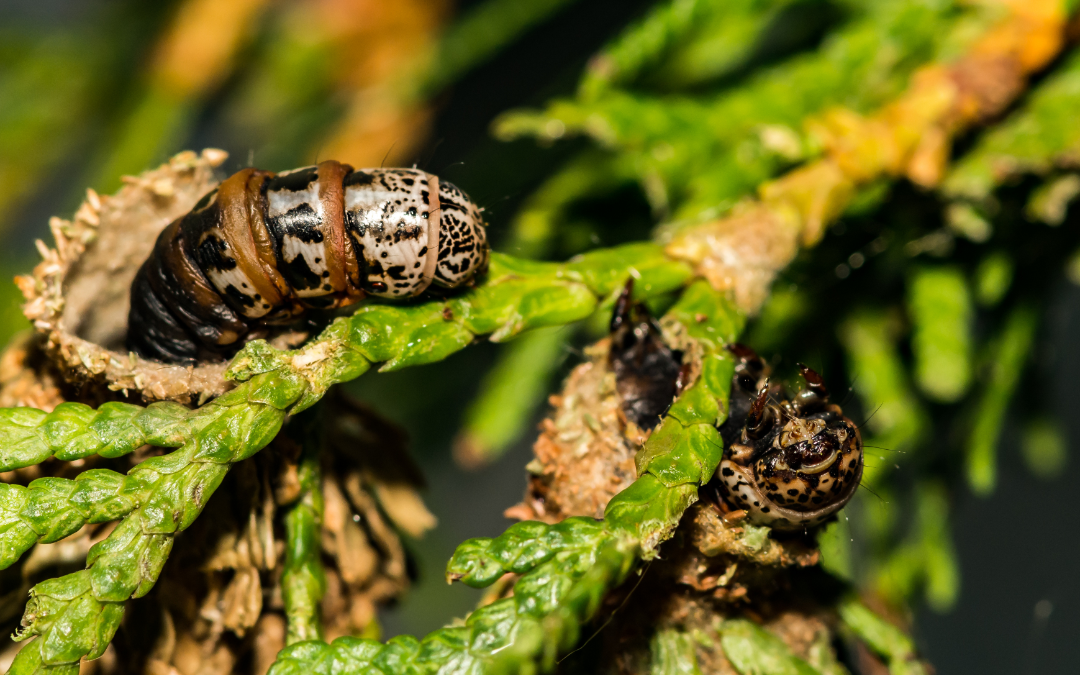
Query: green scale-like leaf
303	581
673	654
75	616
755	651
74	431
1005	361
882	638
942	314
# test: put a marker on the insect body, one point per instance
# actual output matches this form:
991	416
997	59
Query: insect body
262	248
790	464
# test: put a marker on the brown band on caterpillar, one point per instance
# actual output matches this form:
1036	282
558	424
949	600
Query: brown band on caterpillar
435	207
262	248
240	204
338	250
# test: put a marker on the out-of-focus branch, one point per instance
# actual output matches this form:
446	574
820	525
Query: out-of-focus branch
911	137
196	53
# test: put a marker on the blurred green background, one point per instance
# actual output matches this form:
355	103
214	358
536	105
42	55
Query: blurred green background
916	301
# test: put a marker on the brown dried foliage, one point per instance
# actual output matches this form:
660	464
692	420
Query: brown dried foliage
585	452
77	297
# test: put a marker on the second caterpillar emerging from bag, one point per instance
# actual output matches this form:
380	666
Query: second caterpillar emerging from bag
262	248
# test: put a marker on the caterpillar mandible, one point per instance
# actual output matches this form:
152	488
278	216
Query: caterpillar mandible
262	248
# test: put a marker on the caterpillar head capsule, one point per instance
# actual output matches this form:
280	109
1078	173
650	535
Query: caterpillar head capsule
789	463
463	246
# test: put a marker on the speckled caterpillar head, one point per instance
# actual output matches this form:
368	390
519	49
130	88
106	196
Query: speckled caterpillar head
463	249
790	464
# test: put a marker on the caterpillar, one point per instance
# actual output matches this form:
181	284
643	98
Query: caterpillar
790	463
263	248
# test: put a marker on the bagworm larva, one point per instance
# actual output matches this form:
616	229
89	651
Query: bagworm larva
262	248
790	463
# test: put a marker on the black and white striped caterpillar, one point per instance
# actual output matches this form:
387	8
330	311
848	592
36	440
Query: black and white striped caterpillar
262	248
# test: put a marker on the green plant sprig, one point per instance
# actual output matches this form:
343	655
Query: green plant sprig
696	156
303	580
883	638
567	569
673	652
49	509
75	430
1005	363
75	616
667	28
752	649
518	295
550	602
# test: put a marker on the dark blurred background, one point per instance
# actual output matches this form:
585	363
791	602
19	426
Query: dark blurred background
86	95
